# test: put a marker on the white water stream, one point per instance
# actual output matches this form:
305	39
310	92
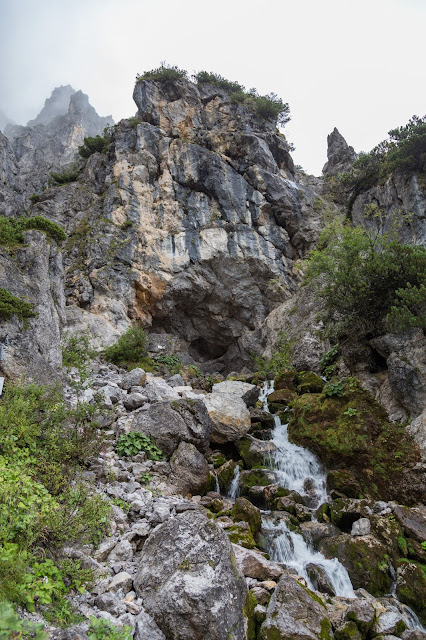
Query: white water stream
298	469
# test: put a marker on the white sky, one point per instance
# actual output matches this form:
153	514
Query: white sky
358	65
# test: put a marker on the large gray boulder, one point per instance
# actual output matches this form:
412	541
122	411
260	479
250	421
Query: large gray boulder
171	423
294	614
188	581
190	471
229	416
248	392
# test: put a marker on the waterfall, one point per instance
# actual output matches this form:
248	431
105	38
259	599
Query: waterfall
234	487
291	549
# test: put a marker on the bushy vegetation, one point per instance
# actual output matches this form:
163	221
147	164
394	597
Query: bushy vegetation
164	73
101	629
10	305
43	502
11	229
268	107
404	150
65	176
367	282
96	144
130	348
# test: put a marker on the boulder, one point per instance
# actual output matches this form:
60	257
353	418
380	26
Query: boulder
413	520
134	378
229	416
319	579
361	527
133	401
254	451
389	623
344	482
244	510
253	564
188	582
169	424
361	612
295	613
157	390
411	587
190	471
247	392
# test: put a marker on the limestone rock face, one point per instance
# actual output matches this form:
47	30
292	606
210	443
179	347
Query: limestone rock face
188	583
34	274
293	614
340	155
190	471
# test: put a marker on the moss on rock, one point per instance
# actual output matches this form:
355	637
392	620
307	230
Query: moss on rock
411	586
244	510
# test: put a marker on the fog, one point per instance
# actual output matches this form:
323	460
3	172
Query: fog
355	65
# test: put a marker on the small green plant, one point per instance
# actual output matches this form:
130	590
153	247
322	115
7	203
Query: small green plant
194	371
130	444
133	122
121	504
336	389
327	362
43	584
126	225
50	228
10	305
76	353
35	197
129	348
12	627
350	411
172	362
97	144
423	545
101	629
145	477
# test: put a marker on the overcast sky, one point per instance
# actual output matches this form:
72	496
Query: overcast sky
357	65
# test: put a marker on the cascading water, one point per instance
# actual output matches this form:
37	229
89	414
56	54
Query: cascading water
298	469
234	487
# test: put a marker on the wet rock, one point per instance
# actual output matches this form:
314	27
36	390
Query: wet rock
225	474
365	559
253	564
389	623
245	510
229	416
348	631
187	581
240	533
190	471
314	532
363	614
411	587
253	451
319	579
413	520
294	612
247	392
344	482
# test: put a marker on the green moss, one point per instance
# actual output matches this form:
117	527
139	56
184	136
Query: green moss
402	545
253	627
256	478
309	382
241	536
325	633
244	510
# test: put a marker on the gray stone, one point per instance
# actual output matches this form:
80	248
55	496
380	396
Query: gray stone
157	390
122	552
123	581
111	603
361	527
413	520
253	564
176	381
229	416
389	623
187	581
112	394
169	424
105	549
146	629
190	471
340	155
133	401
135	377
294	614
248	392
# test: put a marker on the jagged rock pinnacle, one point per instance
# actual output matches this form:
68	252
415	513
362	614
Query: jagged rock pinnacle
340	155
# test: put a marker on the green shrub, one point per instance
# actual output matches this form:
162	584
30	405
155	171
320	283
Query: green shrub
101	629
204	77
367	282
164	73
50	228
10	305
130	444
11	229
97	144
65	176
129	348
172	362
12	627
404	151
10	232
